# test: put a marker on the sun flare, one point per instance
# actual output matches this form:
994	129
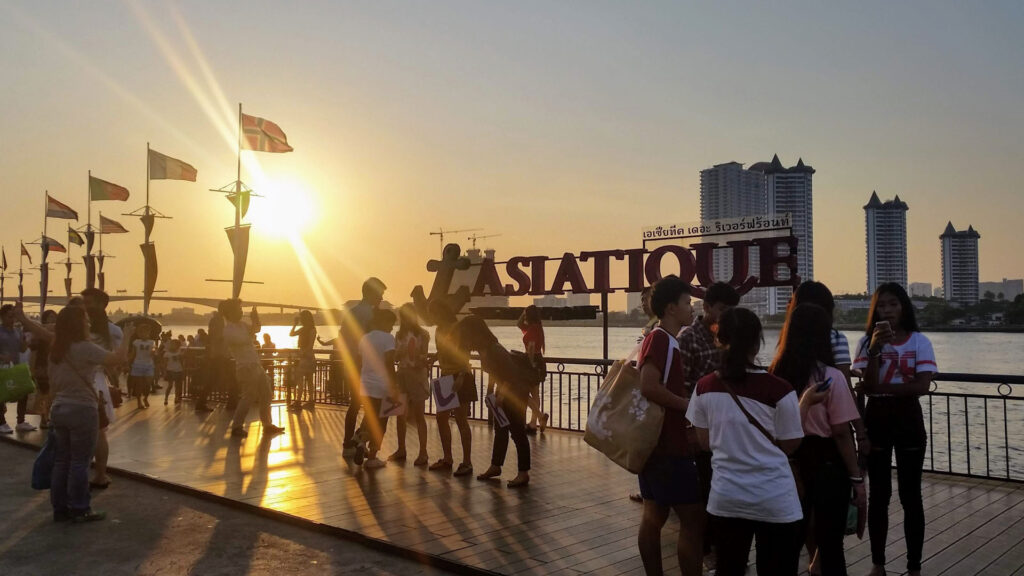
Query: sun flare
286	209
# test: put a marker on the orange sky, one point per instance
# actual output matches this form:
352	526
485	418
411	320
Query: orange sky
561	127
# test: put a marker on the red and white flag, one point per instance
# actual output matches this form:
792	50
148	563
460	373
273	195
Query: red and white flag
163	167
52	245
263	135
108	226
25	253
56	209
103	190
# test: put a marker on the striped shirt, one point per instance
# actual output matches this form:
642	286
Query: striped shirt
840	348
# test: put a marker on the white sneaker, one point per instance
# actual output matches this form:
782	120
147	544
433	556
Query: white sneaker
373	463
25	427
5	429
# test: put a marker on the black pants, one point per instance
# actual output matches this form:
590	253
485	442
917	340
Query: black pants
778	546
352	414
909	463
826	499
22	408
514	407
703	460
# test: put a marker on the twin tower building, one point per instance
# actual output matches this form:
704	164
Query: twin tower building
731	191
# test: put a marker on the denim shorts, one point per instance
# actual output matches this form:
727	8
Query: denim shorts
670	480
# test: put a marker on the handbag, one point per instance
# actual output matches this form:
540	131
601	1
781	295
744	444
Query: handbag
15	383
753	421
42	468
623	424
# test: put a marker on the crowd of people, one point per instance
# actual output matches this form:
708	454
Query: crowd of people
775	454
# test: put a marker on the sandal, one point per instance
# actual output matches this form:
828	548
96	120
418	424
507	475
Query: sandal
490	474
441	465
397	457
421	461
464	469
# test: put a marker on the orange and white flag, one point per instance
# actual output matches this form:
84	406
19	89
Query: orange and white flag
56	209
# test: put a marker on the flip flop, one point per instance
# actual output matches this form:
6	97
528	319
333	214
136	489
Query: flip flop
441	465
518	483
489	476
463	470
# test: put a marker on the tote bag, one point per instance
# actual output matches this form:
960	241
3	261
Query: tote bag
623	424
15	383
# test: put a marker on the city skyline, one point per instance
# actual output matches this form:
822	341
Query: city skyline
565	130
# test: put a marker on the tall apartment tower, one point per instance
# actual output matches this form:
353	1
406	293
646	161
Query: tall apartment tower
960	264
729	191
790	190
886	241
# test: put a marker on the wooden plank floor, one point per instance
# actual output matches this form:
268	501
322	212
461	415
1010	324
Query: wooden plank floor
574	517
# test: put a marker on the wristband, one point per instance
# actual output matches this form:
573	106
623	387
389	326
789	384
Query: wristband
857	479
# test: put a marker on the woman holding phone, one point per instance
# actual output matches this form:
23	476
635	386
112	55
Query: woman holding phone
827	457
897	363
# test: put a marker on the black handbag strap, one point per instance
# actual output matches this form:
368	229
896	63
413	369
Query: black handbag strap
750	418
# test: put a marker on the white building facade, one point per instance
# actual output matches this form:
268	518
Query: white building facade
960	264
886	231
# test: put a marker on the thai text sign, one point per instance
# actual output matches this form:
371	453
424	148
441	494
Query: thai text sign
748	225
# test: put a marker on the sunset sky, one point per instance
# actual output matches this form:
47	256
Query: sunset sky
562	126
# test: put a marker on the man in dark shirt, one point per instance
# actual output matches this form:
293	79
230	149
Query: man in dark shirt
701	356
354	325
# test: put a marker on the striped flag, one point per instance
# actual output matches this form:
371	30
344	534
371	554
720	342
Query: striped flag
74	237
108	226
103	190
55	209
52	245
263	135
25	253
163	167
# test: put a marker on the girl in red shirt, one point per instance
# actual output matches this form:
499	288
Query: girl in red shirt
533	341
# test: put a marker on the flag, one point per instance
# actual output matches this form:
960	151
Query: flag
90	270
147	224
108	226
52	245
55	209
239	239
150	272
4	252
103	190
163	167
263	135
25	253
75	237
240	200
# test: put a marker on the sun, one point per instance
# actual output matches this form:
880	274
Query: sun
286	210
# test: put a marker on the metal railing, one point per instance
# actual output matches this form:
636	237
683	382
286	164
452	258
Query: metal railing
975	422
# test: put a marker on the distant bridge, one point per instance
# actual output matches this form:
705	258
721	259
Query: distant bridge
207	302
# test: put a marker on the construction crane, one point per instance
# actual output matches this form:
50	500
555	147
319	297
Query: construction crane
475	237
441	232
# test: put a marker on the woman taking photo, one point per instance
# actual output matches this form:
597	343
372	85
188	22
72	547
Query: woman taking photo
827	458
897	363
750	421
533	342
74	415
413	370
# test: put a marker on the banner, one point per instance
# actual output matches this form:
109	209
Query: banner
147	224
67	287
44	280
242	197
101	281
21	285
90	270
239	239
90	239
149	282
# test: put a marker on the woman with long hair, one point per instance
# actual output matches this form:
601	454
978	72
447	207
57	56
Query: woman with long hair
515	375
750	421
413	343
898	364
252	379
827	458
74	415
533	342
305	328
453	361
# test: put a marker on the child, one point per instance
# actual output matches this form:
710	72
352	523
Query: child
140	379
377	381
174	371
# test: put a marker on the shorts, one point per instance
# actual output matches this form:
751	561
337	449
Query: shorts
465	387
670	480
413	383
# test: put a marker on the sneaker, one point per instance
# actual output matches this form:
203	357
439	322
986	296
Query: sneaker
239	432
89	516
360	454
25	427
374	463
348	449
272	430
5	429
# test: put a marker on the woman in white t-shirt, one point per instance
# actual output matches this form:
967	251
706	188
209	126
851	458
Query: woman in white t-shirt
753	493
140	378
897	363
827	458
377	382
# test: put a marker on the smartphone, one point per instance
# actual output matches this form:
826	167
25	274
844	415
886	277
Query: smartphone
884	323
824	385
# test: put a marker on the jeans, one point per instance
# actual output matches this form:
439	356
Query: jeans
909	463
826	499
75	428
778	546
514	407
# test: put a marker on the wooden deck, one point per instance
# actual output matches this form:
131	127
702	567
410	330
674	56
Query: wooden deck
574	518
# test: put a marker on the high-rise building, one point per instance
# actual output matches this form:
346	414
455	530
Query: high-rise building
729	191
921	289
789	190
886	241
960	264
